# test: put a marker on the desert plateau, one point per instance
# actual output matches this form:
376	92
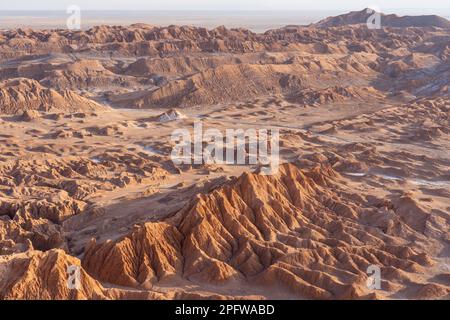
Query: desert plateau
87	177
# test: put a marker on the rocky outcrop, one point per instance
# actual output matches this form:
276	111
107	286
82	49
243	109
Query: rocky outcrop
296	232
30	115
334	94
37	196
220	85
20	95
44	276
389	20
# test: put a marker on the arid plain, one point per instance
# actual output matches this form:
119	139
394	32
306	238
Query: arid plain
87	179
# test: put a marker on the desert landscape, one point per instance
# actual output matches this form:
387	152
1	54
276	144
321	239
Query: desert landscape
87	178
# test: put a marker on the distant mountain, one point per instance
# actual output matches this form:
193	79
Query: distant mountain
387	20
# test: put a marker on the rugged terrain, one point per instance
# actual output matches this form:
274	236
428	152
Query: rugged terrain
87	179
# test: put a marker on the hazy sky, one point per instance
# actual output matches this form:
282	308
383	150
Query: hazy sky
223	4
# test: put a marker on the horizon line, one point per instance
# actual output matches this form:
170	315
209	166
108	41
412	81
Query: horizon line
226	10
